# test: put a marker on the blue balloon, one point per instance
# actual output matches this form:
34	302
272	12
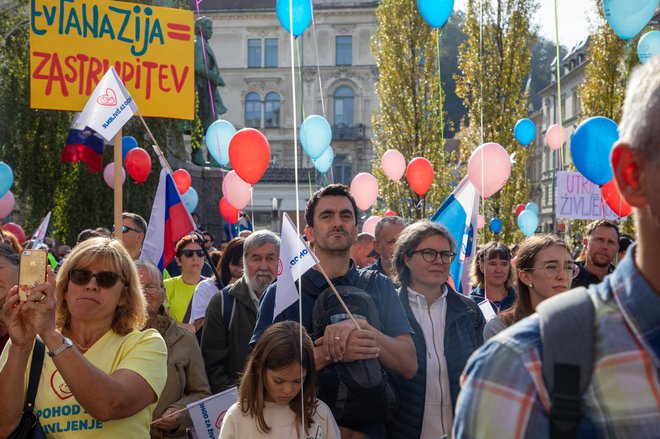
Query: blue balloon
435	12
591	145
496	225
302	15
525	131
323	163
533	207
190	199
218	136
6	178
648	46
628	17
315	136
528	222
127	143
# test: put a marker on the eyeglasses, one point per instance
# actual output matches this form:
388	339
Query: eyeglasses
151	289
105	279
125	229
553	269
430	255
189	253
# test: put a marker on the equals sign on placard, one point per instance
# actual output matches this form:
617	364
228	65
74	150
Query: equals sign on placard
178	31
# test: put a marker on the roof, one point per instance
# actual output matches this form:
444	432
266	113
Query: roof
234	5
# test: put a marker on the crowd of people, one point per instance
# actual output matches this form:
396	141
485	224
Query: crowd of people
408	356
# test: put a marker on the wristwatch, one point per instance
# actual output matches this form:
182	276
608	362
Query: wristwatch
65	345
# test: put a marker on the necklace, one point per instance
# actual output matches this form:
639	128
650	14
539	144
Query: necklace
81	347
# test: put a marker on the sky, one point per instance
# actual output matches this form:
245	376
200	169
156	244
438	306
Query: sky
573	19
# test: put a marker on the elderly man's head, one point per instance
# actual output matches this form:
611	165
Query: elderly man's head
261	253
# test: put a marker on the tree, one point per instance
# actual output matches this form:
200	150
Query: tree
409	119
494	73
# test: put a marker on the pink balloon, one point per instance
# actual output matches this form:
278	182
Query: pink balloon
364	189
369	225
7	203
237	192
17	230
480	222
489	167
109	175
555	136
393	164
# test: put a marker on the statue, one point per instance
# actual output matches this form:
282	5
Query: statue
206	74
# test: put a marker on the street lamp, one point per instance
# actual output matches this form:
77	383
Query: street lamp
275	217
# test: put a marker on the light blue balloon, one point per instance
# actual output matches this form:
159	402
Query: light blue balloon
525	131
302	15
628	17
648	46
591	145
435	12
323	163
127	143
528	222
533	207
496	225
6	178
190	199
315	135
218	136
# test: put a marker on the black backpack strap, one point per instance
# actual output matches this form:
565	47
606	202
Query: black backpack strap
567	323
227	309
35	374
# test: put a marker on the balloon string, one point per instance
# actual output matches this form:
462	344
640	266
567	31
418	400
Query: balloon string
300	78
442	122
481	70
206	64
558	68
318	65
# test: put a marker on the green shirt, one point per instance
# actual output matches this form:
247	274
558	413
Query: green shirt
179	296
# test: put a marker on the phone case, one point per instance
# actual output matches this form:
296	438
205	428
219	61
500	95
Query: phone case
32	271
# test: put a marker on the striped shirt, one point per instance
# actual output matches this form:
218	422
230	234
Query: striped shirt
503	394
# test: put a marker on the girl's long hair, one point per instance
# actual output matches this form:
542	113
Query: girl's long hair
277	348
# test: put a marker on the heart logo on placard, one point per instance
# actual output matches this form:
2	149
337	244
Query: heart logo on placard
60	388
109	99
219	419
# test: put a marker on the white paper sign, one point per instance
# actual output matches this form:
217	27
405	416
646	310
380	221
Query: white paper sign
207	414
487	310
578	198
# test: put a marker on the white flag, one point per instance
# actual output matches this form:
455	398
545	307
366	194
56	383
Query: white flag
207	414
295	259
109	107
39	234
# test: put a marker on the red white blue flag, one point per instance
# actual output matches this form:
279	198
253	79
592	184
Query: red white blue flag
84	145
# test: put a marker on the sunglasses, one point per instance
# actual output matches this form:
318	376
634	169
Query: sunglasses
190	253
125	229
105	279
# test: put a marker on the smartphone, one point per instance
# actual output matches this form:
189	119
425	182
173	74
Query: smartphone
32	271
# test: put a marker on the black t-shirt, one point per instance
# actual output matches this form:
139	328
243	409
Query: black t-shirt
586	277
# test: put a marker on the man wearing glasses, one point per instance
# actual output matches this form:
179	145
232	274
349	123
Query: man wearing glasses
133	230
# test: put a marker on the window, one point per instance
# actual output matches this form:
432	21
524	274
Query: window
272	110
262	53
342	169
344	50
252	110
344	102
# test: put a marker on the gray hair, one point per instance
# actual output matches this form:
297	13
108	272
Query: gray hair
153	271
388	220
410	238
259	238
639	125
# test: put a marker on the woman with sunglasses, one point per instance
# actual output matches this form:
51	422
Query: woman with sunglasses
102	375
180	289
447	329
545	267
186	377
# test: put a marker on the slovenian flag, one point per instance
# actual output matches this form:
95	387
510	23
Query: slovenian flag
459	214
84	145
169	222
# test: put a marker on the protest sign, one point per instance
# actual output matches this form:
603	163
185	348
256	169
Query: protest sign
578	198
207	414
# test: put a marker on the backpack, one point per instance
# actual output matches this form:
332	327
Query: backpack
359	392
227	306
567	323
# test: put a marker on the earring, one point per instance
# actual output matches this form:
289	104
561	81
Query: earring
531	285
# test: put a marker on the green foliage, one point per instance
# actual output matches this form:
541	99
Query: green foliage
409	119
493	77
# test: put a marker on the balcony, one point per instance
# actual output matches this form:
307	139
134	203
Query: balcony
347	132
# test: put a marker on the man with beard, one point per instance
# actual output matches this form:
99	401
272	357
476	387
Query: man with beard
601	245
387	231
331	216
232	313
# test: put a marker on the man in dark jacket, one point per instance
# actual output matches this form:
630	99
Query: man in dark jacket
232	313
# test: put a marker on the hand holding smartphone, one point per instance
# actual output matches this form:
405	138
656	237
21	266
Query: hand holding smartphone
32	271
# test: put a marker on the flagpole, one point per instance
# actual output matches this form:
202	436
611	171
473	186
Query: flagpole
334	290
159	152
119	180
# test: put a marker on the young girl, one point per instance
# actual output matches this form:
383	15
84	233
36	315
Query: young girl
270	402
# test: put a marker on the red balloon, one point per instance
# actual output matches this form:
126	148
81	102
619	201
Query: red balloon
610	193
390	213
182	179
519	209
138	164
420	175
228	212
249	154
16	230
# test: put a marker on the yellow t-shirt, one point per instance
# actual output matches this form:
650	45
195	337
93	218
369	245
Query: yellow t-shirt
179	297
60	414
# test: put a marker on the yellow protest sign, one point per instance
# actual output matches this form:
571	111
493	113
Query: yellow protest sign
74	42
